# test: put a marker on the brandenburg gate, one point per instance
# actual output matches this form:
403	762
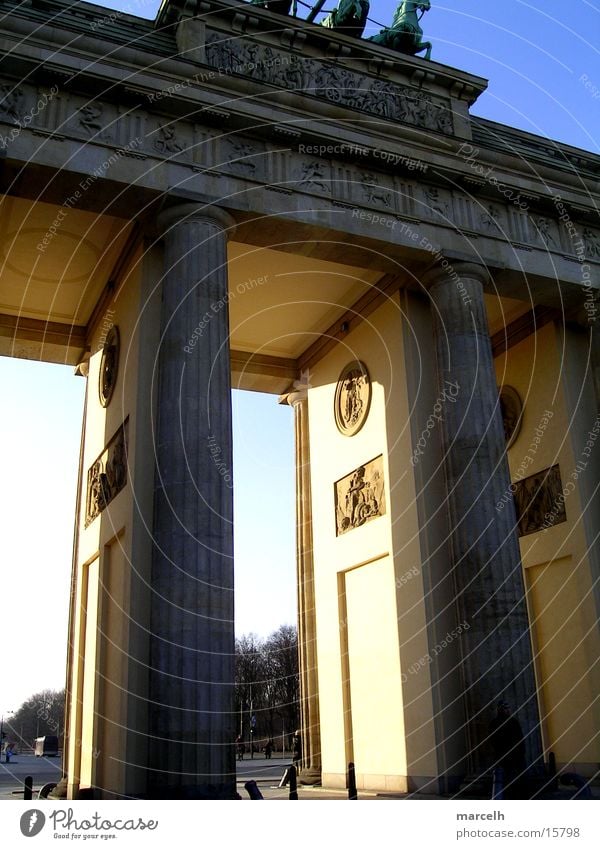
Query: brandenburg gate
229	196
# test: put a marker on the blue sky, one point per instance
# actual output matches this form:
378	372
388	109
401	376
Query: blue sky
535	56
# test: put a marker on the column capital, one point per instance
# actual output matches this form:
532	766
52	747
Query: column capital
186	213
298	393
447	271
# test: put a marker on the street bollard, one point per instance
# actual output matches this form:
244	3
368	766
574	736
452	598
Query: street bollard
293	783
553	783
252	790
498	785
28	788
352	793
284	778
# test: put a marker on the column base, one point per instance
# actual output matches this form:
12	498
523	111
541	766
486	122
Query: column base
310	776
60	791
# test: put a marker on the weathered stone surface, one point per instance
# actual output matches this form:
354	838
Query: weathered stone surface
192	639
486	561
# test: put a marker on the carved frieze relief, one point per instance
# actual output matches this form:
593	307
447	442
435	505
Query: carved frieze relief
333	83
168	139
539	501
360	496
11	101
140	132
373	192
314	175
107	475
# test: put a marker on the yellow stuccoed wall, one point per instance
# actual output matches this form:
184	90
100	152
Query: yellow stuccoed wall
545	369
113	557
362	599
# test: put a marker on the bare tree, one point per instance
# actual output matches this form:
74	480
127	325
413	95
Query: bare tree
249	685
281	660
41	714
267	685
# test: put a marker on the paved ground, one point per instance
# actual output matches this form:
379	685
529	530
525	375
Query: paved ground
12	775
266	773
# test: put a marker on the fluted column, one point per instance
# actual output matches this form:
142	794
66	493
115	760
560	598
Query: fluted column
595	358
191	744
307	642
486	562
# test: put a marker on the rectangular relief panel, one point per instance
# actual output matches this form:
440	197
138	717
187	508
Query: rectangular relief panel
360	496
539	501
107	475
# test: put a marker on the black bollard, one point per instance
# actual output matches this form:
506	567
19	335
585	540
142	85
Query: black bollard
498	783
293	783
28	788
352	793
553	783
252	790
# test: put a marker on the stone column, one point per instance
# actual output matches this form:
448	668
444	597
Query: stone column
192	734
595	358
486	562
307	642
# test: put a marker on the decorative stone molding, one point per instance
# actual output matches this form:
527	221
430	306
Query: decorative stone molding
359	185
184	213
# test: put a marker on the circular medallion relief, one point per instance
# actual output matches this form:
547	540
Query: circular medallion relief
109	365
512	413
352	398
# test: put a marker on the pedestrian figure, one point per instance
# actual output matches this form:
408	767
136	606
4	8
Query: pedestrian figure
240	748
506	738
268	750
297	749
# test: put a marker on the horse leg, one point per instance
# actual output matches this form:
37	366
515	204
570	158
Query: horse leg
425	45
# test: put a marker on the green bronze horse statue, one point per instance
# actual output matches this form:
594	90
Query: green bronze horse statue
405	32
349	17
